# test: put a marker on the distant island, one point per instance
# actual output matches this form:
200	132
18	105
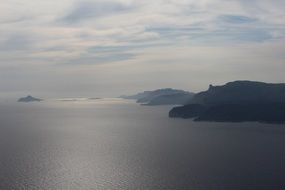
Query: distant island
94	98
29	99
238	101
167	96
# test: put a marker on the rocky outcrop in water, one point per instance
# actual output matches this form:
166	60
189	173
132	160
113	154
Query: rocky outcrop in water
29	99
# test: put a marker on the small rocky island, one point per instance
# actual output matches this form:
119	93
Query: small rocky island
239	101
29	99
167	96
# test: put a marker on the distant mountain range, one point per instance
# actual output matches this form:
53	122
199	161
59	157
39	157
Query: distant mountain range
165	96
237	101
29	99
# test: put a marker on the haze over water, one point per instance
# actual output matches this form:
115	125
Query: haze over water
117	144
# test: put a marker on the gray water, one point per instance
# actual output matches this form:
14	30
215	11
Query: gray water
112	144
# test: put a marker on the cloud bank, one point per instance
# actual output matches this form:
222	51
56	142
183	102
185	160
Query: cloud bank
74	46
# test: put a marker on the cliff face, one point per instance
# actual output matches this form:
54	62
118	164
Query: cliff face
241	92
237	102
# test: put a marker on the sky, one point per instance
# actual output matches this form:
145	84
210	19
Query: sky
67	48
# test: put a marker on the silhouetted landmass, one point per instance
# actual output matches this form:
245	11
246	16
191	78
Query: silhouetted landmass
136	96
241	92
29	99
237	101
166	96
156	94
187	111
172	99
94	98
259	112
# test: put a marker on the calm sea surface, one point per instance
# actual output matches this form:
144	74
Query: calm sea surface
113	144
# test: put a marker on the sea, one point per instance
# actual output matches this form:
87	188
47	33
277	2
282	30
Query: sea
116	144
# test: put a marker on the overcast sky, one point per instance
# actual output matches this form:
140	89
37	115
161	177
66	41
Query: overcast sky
111	47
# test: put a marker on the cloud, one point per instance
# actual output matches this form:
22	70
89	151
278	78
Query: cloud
237	19
90	59
90	9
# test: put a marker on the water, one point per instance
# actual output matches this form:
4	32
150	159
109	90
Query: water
113	144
